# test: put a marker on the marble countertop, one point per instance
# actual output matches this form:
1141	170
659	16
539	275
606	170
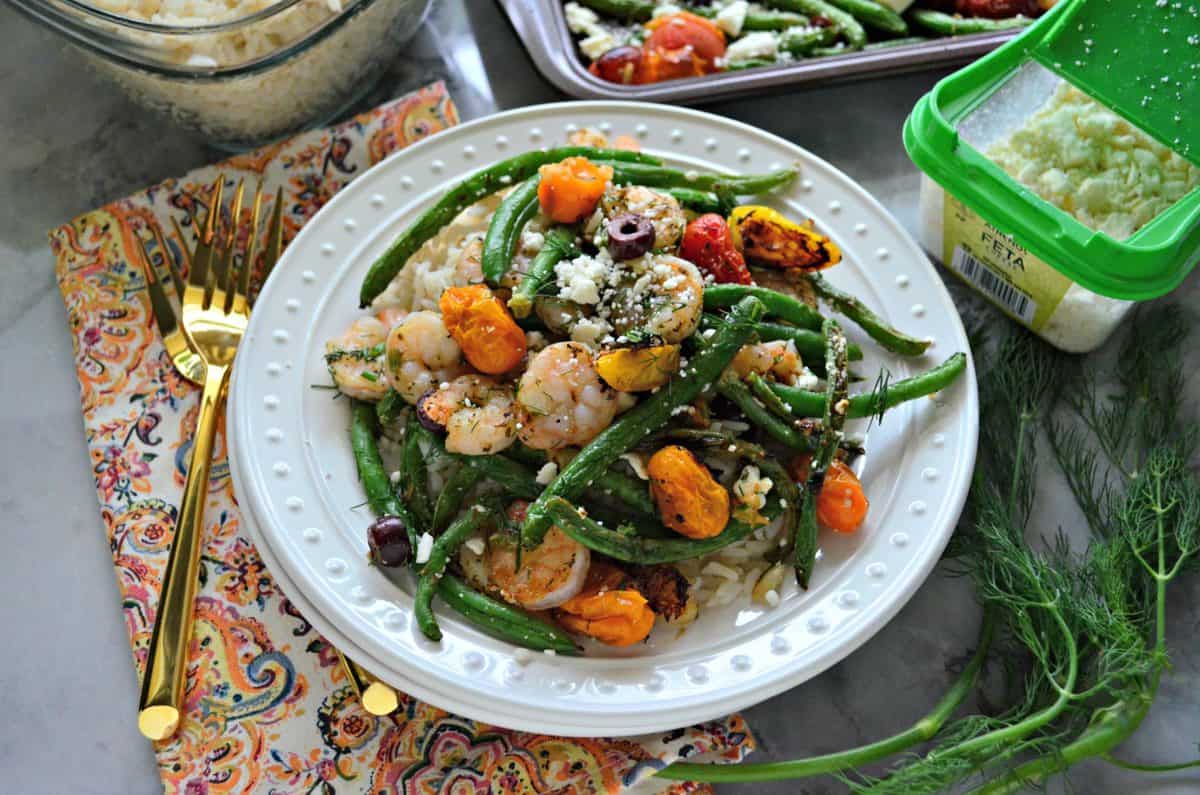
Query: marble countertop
69	142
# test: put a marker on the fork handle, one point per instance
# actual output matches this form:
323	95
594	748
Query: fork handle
161	702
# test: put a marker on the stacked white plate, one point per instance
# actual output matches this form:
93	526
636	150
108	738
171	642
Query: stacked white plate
299	492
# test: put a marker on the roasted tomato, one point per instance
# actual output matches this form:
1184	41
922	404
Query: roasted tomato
481	325
571	189
765	236
708	244
690	501
841	504
608	609
619	65
680	45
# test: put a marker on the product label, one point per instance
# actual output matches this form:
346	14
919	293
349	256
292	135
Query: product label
1024	286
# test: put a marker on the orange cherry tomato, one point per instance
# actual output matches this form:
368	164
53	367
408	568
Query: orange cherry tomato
690	501
571	189
481	325
841	505
616	617
673	35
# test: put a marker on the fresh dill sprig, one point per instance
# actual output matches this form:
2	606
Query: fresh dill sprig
1083	630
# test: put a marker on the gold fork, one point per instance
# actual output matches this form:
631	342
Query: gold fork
215	314
157	720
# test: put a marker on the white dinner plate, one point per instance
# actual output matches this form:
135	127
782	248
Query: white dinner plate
296	482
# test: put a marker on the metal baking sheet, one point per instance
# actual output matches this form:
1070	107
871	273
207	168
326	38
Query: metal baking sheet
542	27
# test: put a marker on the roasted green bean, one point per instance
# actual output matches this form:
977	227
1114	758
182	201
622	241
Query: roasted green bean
811	404
502	620
504	230
433	569
954	25
876	327
558	246
785	307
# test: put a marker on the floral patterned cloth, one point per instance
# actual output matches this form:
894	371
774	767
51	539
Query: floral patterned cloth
267	708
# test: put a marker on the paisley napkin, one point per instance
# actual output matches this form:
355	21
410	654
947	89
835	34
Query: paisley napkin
267	708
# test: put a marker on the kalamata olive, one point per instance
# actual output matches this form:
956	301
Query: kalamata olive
387	538
619	65
629	236
423	414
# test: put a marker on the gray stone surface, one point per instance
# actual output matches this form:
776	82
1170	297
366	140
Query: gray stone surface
69	142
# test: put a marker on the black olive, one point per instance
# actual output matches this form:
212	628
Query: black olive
423	416
387	538
629	236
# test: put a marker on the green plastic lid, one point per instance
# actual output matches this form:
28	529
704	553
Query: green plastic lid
1114	51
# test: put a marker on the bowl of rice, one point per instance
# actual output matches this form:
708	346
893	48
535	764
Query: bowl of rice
241	72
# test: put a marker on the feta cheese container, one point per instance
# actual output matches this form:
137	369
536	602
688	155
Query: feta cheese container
1061	211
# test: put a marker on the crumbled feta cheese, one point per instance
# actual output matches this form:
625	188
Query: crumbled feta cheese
597	44
535	340
806	380
547	473
549	652
476	545
580	279
761	44
522	656
424	547
665	10
589	330
772	597
532	242
731	18
395	477
580	19
751	488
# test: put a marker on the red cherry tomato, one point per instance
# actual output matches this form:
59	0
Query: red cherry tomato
708	244
619	65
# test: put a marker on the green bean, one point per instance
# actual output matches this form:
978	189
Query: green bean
803	41
653	176
876	327
811	404
749	63
511	476
953	25
439	555
451	498
504	230
559	245
644	551
502	620
720	296
804	545
644	526
730	388
414	478
762	390
874	15
889	43
628	10
388	410
757	20
475	187
855	36
645	418
809	344
633	492
698	200
371	471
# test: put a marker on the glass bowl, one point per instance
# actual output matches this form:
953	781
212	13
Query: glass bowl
245	81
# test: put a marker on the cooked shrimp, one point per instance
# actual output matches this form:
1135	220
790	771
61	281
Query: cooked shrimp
468	267
476	412
548	576
565	401
421	354
355	360
778	359
662	210
662	296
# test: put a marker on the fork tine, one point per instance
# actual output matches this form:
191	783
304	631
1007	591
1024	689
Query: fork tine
164	313
274	238
168	260
240	298
224	275
199	274
184	253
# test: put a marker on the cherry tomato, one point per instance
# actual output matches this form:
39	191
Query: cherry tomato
619	65
708	244
675	32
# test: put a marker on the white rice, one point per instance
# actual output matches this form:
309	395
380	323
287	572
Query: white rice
314	83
